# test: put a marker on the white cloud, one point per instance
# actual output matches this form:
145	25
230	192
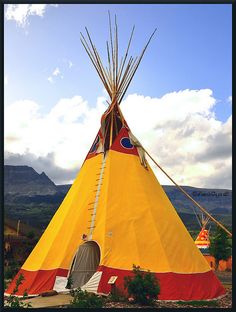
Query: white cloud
50	79
70	64
56	72
6	80
229	99
179	130
67	130
20	13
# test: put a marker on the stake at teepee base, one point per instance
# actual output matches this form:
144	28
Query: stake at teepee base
116	213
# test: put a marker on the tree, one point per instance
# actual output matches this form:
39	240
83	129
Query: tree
31	234
220	246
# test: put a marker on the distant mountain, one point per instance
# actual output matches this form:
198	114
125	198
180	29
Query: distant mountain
34	198
217	201
24	180
64	188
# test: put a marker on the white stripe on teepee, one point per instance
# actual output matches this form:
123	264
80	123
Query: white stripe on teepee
93	282
97	197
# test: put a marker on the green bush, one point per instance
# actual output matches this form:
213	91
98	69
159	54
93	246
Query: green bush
31	234
8	274
143	286
84	299
5	284
69	282
11	270
13	301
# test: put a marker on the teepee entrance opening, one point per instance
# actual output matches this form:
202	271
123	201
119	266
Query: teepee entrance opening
85	263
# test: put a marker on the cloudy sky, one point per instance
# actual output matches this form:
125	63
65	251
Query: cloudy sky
178	105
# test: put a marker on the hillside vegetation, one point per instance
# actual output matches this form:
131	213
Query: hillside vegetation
34	198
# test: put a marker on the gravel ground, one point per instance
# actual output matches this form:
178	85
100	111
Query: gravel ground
225	302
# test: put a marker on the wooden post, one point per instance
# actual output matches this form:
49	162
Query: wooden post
18	228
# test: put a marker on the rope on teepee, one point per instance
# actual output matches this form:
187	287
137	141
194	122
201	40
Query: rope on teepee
187	195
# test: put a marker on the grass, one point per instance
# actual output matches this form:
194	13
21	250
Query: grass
199	303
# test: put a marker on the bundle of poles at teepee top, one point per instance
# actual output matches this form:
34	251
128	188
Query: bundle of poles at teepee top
116	78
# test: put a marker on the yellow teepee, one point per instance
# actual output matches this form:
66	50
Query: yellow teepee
116	213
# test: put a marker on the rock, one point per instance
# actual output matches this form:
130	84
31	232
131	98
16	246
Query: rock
49	293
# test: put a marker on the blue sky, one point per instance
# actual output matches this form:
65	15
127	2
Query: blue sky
192	50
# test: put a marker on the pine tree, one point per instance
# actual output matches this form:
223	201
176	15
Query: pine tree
220	246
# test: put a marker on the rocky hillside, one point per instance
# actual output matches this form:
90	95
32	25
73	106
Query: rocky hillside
34	198
217	201
24	180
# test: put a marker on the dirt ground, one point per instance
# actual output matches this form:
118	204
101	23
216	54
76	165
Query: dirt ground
224	277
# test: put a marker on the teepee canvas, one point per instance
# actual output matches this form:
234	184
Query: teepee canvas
116	214
202	241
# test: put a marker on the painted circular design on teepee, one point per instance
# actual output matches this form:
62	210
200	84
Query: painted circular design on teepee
125	142
94	146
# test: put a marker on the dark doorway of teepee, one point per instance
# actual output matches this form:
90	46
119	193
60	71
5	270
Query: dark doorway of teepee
85	263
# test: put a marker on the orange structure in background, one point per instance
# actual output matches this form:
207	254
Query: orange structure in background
203	243
223	265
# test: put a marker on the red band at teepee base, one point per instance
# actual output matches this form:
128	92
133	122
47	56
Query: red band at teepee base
173	286
36	282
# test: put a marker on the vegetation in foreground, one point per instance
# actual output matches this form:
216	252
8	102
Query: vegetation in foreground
143	287
84	299
13	301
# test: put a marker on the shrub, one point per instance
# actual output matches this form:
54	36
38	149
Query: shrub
11	271
84	299
143	286
5	284
14	302
31	234
8	274
69	282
